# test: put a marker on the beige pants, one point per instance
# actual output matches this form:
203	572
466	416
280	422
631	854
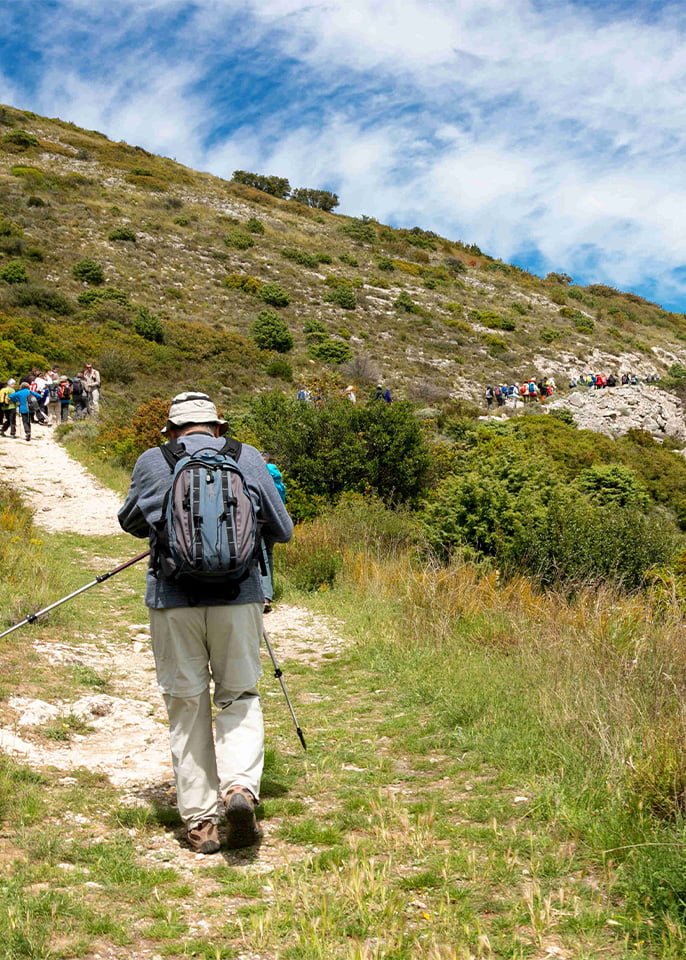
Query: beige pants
193	645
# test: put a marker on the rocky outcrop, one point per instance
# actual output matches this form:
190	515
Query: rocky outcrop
615	410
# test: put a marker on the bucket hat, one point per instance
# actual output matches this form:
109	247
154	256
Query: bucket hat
193	408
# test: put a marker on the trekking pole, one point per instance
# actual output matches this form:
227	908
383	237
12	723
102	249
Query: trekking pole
278	673
32	617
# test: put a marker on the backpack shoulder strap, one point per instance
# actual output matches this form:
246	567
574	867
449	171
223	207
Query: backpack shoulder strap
232	448
172	451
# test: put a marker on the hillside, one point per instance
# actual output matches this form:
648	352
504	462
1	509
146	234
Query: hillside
189	260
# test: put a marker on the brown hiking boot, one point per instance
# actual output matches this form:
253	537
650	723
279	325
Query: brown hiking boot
241	823
204	837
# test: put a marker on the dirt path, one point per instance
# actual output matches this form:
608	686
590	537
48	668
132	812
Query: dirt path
127	731
63	494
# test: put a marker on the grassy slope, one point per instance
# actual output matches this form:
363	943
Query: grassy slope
181	219
453	801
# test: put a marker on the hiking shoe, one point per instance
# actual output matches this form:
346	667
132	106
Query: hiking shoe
241	823
204	837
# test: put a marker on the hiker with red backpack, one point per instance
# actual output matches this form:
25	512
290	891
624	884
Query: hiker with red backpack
64	395
205	601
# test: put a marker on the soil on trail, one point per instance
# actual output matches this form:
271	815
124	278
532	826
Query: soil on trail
64	496
126	734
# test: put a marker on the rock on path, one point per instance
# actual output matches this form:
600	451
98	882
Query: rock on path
63	494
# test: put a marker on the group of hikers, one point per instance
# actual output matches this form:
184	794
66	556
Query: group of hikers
45	397
381	393
531	391
597	381
527	392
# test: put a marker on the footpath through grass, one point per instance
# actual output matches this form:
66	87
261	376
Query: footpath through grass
413	827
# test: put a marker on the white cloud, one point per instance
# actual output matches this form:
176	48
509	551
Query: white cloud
504	122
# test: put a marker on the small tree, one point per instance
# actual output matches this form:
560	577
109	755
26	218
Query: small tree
274	295
14	272
123	233
343	296
148	326
276	186
88	271
270	332
319	199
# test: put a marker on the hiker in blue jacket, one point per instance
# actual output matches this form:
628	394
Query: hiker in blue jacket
21	396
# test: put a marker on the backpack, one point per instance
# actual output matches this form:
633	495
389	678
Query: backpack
207	539
532	388
78	387
64	390
53	392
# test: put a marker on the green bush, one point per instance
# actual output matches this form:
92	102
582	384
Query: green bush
181	221
274	295
35	202
44	298
507	323
148	326
276	186
319	199
21	138
342	296
348	260
584	324
342	446
385	263
301	257
330	351
406	303
549	334
88	297
242	281
14	272
360	230
270	332
280	369
88	271
254	225
239	240
122	233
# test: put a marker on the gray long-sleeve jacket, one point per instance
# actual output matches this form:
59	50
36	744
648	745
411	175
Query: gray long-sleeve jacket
150	480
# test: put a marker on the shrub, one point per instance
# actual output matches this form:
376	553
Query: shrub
88	271
280	369
88	297
319	199
181	221
342	296
239	240
549	334
309	565
14	272
343	446
584	324
33	253
44	298
242	281
518	308
254	225
301	257
360	230
385	263
274	295
507	323
21	138
148	326
35	202
276	186
270	332
330	351
122	233
349	260
314	328
406	303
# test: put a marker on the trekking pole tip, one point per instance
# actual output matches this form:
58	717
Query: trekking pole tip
302	738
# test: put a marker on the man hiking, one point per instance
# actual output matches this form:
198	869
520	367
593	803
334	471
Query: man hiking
206	633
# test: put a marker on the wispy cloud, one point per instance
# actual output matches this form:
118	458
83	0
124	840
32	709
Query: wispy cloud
549	133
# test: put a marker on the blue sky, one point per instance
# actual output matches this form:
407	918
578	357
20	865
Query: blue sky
550	133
